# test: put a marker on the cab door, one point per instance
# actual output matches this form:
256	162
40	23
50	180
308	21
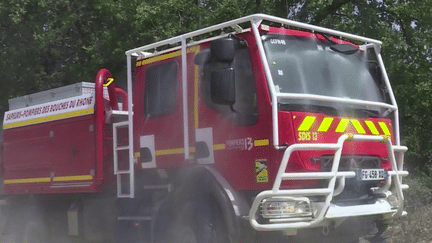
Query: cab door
158	118
231	120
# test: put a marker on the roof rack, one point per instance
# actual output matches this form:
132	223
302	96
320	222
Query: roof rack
235	24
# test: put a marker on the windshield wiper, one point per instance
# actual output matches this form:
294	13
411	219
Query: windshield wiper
365	113
346	49
331	111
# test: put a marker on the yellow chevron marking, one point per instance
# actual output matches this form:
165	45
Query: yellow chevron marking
358	126
307	123
27	180
372	127
73	178
263	142
325	124
384	128
342	125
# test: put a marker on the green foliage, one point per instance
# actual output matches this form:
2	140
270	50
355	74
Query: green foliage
419	193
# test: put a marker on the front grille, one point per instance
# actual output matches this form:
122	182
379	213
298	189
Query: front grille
355	191
351	162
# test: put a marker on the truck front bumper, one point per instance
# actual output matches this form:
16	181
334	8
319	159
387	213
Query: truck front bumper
294	210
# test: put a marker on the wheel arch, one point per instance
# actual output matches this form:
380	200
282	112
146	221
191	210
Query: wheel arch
196	181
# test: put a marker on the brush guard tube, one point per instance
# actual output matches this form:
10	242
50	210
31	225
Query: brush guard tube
327	210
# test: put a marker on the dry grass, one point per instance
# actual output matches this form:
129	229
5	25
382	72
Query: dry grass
415	227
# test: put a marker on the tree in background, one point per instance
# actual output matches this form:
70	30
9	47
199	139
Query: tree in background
50	43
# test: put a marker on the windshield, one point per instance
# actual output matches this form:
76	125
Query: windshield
309	66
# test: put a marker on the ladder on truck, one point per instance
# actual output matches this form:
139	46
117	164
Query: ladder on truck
128	173
125	176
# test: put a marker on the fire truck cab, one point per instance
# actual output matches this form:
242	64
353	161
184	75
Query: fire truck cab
250	129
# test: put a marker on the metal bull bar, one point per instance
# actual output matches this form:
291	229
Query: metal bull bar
328	210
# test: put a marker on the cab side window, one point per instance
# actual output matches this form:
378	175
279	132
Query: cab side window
161	89
244	112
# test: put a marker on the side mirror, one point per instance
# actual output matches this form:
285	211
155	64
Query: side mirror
223	50
222	86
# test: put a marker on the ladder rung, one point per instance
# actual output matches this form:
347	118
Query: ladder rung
122	172
119	113
122	148
124	195
121	124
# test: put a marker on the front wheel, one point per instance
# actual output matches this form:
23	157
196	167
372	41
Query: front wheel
194	223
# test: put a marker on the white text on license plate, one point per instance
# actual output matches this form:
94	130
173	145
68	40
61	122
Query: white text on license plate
372	174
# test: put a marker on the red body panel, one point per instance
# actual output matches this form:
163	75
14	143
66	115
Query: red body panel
69	152
55	150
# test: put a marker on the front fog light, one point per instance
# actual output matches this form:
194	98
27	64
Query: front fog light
286	207
393	200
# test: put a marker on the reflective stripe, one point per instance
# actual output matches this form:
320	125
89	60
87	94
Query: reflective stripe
110	80
169	151
73	178
160	58
342	125
49	118
372	127
181	150
358	126
325	124
384	128
263	142
306	124
27	180
219	146
192	49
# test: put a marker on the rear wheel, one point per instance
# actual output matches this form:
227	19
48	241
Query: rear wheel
34	232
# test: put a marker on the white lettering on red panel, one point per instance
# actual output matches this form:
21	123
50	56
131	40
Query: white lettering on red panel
50	109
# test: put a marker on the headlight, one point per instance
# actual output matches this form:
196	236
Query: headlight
288	207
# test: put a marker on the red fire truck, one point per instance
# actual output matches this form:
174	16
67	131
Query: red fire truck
258	129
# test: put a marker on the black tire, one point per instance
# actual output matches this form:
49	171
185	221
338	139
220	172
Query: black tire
194	223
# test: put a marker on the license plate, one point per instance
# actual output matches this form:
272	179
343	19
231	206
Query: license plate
372	174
